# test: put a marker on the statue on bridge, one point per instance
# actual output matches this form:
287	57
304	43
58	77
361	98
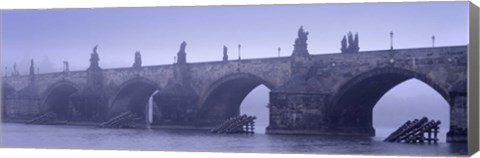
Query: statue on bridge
15	71
66	67
182	55
344	45
225	55
32	68
138	60
182	46
300	46
94	59
302	37
352	45
32	73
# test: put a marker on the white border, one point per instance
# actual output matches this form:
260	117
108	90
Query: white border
49	4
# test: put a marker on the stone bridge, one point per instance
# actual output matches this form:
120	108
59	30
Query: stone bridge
310	94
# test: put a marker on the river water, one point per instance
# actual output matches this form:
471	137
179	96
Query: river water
85	137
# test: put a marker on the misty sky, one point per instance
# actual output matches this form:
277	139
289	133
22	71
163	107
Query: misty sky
53	36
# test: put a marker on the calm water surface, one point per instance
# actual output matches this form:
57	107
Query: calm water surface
79	137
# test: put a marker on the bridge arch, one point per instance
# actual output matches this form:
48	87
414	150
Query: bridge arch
353	104
57	99
223	97
132	96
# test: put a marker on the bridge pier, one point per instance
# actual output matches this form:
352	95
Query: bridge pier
23	105
21	108
458	118
306	113
91	106
175	104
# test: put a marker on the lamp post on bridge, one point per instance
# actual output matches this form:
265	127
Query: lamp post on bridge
239	47
238	63
391	40
433	41
279	49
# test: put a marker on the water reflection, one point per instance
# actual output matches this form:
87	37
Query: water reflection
42	136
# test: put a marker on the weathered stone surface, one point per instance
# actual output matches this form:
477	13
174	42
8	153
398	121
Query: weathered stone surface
352	84
22	104
176	105
310	94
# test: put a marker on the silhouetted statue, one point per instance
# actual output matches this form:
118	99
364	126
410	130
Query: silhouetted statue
357	46
138	60
300	47
94	59
15	71
182	46
32	68
354	46
32	73
65	66
95	49
352	43
302	37
344	44
225	55
182	55
356	41
350	39
94	73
